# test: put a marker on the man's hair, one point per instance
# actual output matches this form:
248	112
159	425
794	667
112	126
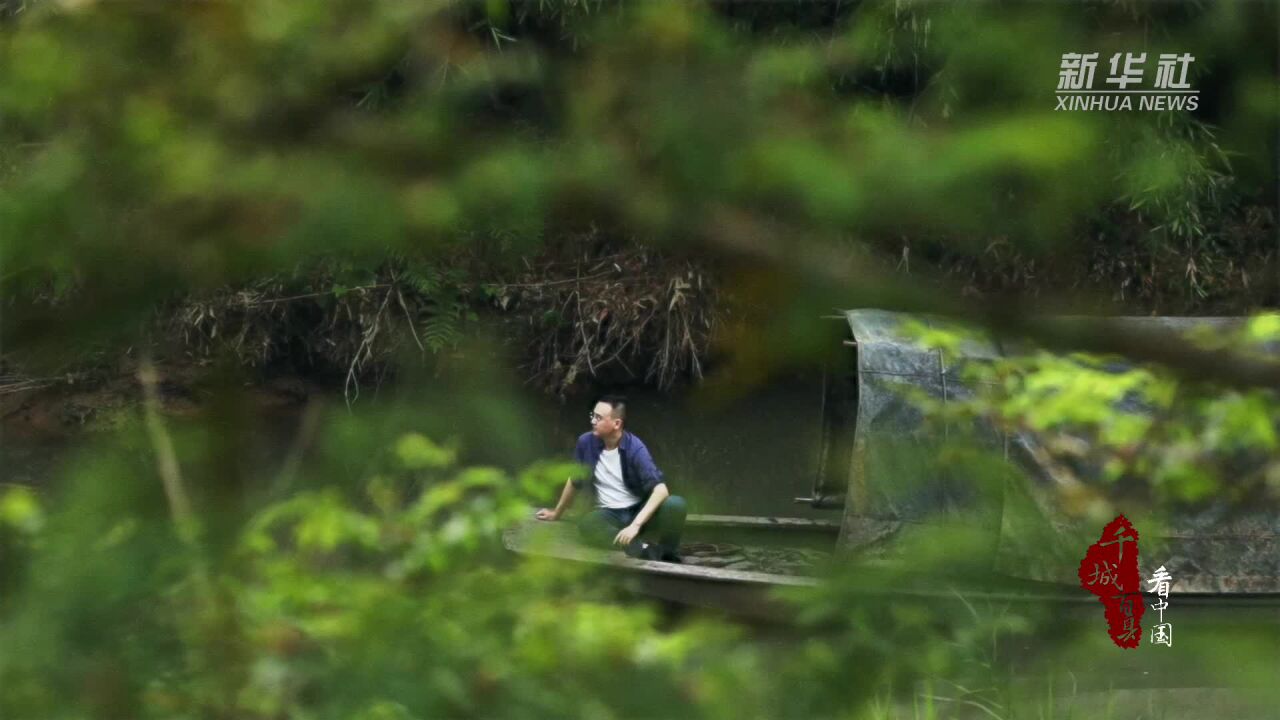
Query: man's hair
619	405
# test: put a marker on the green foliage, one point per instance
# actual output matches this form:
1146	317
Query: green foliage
253	138
1140	429
401	603
389	594
331	183
20	509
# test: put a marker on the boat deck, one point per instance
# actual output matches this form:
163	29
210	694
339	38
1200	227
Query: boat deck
734	563
720	560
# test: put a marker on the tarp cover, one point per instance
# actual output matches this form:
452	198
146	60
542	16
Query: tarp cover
895	478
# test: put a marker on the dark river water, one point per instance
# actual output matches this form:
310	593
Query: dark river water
747	455
751	455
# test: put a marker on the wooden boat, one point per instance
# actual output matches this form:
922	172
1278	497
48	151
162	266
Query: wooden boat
871	475
731	563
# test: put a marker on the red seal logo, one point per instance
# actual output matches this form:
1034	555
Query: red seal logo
1110	571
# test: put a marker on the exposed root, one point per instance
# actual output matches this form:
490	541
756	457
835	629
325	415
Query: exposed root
612	315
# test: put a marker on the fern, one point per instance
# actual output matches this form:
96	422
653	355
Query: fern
441	332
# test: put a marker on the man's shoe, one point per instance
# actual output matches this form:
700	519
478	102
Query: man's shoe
642	550
671	555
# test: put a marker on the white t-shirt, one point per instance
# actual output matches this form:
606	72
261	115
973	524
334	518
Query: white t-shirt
610	490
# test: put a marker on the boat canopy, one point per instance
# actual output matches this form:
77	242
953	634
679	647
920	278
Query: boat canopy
881	463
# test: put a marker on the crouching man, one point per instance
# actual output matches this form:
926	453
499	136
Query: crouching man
634	508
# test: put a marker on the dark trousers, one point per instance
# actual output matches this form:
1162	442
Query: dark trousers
599	527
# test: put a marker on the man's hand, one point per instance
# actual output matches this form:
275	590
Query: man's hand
566	501
626	535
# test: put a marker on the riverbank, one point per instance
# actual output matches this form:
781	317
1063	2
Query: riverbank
67	408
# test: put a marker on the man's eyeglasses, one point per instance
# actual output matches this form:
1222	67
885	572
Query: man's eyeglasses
596	417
